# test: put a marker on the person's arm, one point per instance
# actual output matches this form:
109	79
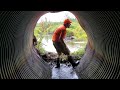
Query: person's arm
60	37
65	48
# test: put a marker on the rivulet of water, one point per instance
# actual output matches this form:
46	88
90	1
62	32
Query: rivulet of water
73	46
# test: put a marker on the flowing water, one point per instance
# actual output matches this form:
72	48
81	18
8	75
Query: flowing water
73	46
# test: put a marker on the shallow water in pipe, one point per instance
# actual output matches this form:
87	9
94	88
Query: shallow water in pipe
64	72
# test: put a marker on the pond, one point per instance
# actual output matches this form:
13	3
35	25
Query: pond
73	46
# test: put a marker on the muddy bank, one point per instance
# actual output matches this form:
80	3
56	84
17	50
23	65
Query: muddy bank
52	57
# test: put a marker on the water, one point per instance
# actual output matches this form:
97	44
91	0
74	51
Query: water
73	46
64	72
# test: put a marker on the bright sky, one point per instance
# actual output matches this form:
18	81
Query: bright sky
56	17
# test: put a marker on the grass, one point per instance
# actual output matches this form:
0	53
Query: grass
75	30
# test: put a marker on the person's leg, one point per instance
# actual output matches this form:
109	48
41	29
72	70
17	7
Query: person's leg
58	61
58	49
73	63
66	51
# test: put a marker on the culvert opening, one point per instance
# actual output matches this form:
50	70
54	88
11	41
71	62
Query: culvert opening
75	39
18	59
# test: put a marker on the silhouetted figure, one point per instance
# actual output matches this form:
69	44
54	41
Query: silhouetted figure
35	43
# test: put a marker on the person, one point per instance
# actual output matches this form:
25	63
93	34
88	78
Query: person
34	44
34	40
59	44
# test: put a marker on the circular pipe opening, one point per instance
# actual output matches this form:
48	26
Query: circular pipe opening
76	38
19	60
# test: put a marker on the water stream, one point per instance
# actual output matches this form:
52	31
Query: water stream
73	46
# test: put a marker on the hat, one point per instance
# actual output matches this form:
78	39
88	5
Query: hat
67	21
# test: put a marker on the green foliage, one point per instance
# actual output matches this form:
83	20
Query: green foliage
46	27
79	52
77	31
40	30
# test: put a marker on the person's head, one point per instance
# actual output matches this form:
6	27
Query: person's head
67	23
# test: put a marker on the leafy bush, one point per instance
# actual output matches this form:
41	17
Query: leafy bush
79	52
75	30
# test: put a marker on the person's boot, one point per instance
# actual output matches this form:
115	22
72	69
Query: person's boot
70	59
58	63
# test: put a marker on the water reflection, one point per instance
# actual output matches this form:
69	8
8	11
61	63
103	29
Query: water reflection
73	46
